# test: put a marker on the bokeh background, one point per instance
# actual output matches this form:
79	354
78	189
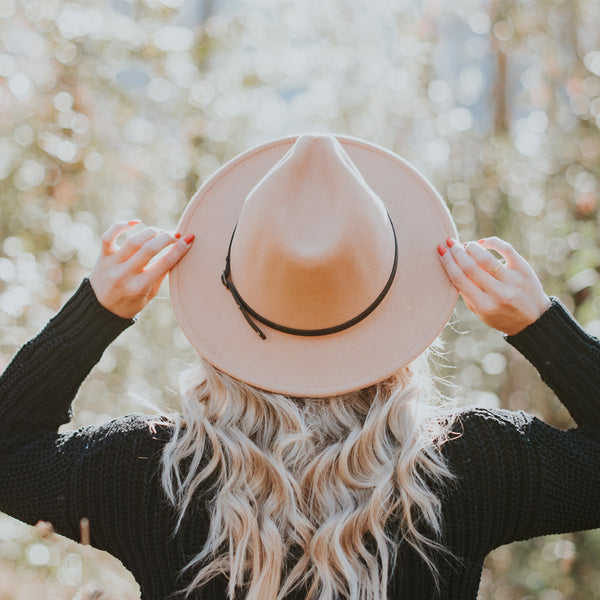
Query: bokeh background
120	109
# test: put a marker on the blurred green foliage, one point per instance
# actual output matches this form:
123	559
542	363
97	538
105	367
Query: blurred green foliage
119	110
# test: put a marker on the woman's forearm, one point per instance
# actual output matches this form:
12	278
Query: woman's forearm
39	384
568	360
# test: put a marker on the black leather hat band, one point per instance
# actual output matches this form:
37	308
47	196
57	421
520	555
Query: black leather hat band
250	314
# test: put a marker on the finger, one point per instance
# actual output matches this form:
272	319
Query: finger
485	259
512	257
141	259
473	270
135	242
156	286
110	235
458	277
157	271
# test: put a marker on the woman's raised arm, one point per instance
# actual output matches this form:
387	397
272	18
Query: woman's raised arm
38	386
62	477
509	297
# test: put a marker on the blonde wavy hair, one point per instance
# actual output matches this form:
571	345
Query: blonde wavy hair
312	479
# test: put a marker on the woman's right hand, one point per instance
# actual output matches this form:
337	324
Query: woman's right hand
506	295
124	279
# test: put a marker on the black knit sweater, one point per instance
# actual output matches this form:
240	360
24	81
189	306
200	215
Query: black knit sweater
516	477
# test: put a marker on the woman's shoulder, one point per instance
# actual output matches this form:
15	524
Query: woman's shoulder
489	454
128	431
482	433
478	416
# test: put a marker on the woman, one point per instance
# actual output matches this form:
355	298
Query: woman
312	458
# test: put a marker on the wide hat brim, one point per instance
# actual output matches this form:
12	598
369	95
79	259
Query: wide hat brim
413	313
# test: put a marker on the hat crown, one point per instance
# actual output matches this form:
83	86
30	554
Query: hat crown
314	246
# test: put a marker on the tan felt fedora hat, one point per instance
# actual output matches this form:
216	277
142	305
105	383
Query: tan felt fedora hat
314	271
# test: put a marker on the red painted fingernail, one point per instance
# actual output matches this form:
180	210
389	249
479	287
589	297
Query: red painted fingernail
480	241
450	242
134	222
441	250
177	236
188	239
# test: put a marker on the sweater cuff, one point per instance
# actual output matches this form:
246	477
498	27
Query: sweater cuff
543	342
83	316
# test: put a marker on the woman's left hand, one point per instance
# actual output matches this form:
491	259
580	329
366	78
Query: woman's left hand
506	295
123	279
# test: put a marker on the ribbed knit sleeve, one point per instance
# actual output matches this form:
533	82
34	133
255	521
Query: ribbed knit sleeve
38	386
36	392
568	360
520	476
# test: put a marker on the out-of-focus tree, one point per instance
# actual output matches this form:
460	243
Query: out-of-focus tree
112	110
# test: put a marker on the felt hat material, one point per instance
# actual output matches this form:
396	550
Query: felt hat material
317	229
